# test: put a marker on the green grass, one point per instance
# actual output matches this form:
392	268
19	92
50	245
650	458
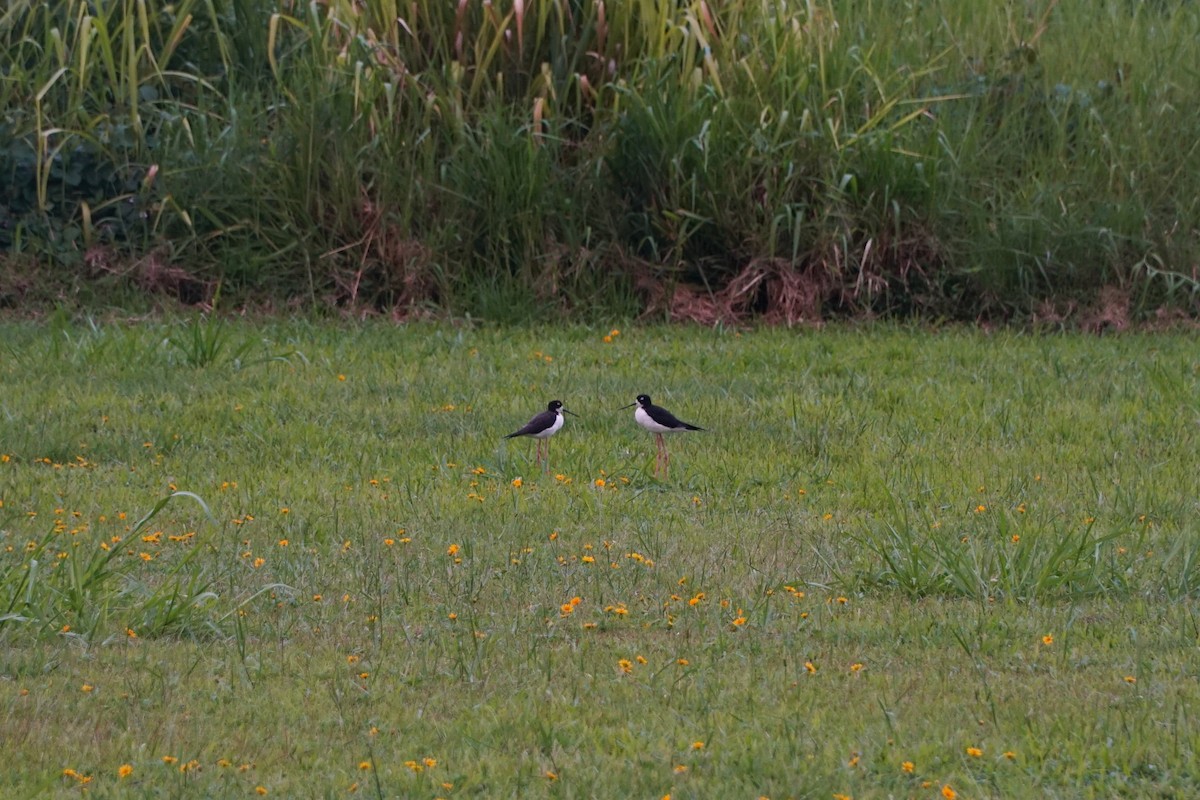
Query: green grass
878	529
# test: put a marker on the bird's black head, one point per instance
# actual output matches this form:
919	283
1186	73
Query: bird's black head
643	400
556	405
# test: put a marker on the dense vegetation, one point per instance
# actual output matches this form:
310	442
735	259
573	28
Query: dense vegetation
949	159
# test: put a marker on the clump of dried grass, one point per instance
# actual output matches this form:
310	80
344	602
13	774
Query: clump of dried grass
153	273
772	290
382	269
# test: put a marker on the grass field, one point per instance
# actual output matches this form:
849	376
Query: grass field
896	565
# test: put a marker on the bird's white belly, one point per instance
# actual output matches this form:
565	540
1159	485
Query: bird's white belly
553	429
649	424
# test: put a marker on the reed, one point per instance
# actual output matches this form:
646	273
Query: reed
712	162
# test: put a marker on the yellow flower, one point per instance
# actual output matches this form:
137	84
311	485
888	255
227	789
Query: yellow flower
261	790
1047	639
599	483
429	762
680	769
949	793
125	770
974	752
364	765
1130	679
908	767
626	665
855	667
517	482
1010	755
452	550
697	745
169	759
87	687
812	669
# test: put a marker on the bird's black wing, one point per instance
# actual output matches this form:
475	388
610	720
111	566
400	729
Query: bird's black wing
666	418
536	425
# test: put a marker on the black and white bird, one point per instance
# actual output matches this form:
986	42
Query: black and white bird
543	426
658	421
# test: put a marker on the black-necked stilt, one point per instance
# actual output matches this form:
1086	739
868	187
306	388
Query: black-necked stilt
658	421
543	426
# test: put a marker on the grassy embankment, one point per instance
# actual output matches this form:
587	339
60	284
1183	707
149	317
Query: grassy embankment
948	159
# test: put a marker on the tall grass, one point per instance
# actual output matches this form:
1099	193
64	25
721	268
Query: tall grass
944	158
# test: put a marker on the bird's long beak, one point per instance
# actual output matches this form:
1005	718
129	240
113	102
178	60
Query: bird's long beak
572	413
631	405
